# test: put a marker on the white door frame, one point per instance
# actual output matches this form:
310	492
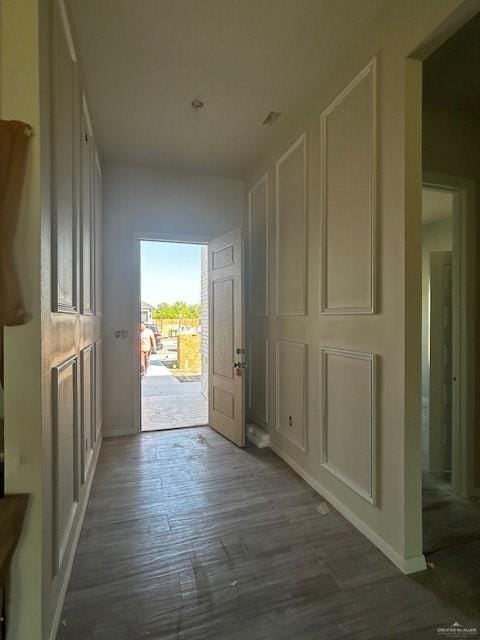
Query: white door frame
463	339
138	237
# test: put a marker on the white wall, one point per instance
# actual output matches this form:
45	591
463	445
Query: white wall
141	202
391	336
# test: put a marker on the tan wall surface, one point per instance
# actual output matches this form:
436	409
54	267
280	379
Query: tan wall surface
20	100
53	363
390	335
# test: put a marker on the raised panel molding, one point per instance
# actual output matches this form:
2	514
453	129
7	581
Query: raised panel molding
223	257
87	209
224	402
258	307
98	388
65	455
291	241
291	383
64	233
260	413
222	327
348	279
349	422
97	214
87	378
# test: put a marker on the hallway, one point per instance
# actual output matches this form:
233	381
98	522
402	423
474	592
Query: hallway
188	537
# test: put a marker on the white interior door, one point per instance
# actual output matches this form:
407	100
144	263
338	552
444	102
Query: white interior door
441	350
226	337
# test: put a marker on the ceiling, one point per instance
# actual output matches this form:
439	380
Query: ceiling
145	60
451	74
437	205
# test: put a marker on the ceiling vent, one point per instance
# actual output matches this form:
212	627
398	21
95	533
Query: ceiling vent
271	118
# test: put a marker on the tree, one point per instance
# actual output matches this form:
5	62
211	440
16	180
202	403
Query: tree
176	310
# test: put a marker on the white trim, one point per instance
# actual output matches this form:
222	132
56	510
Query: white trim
67	29
370	69
73	549
302	140
370	493
61	539
137	238
88	120
86	456
249	372
267	381
300	346
406	565
464	312
261	420
262	180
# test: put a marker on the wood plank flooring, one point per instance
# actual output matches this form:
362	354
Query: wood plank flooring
187	537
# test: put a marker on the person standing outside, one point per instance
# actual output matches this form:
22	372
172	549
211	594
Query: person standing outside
147	345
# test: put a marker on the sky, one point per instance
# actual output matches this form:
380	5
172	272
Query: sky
170	272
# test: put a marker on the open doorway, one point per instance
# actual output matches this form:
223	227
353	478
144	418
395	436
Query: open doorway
173	335
449	384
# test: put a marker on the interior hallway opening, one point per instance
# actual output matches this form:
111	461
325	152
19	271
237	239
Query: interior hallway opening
173	336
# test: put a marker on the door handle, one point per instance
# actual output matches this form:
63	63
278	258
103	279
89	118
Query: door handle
239	365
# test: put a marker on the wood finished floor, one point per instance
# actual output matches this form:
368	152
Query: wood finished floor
187	537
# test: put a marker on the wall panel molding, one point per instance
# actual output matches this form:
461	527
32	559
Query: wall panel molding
348	156
291	384
87	217
260	414
98	389
87	408
65	455
258	307
291	232
349	422
64	230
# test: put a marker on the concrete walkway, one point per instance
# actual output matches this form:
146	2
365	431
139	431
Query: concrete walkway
168	403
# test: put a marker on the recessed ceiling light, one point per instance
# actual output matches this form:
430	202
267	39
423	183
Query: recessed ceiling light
271	118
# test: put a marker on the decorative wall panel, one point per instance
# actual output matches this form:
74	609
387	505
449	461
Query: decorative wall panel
97	208
65	454
291	231
258	249
349	418
98	389
291	392
87	361
87	223
258	379
64	138
348	164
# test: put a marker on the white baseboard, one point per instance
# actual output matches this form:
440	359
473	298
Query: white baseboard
406	565
66	578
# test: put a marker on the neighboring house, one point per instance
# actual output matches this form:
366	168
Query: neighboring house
146	312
